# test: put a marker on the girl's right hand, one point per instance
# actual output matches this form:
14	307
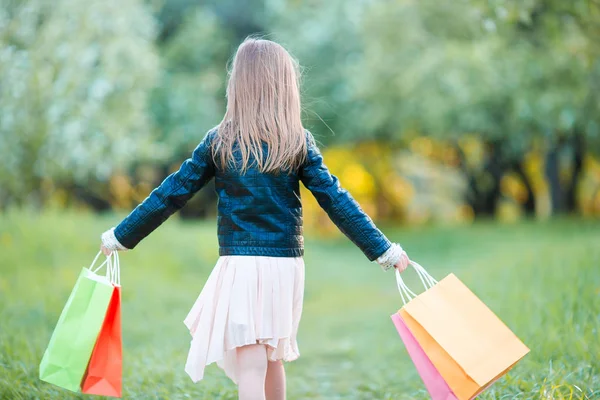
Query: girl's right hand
402	263
107	252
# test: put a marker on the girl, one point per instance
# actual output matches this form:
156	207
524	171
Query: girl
246	317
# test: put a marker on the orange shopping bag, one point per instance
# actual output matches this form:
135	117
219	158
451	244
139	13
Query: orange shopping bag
466	342
104	372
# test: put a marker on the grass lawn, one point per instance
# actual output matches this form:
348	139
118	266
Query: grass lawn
542	279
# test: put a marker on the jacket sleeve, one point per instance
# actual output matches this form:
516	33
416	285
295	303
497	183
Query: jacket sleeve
172	194
341	207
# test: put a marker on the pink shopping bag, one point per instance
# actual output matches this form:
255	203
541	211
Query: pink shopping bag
436	385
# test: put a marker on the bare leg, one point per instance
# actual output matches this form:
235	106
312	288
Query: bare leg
275	382
251	372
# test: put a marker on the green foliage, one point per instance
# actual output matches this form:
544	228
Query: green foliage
189	98
560	63
87	88
74	81
541	279
389	69
323	35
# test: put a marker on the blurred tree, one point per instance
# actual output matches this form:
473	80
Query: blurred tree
241	17
387	70
496	81
434	69
559	93
190	99
74	81
170	15
324	36
195	41
447	70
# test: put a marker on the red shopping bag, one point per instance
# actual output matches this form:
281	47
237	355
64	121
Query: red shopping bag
104	373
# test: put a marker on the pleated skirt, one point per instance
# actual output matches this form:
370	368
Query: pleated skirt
246	300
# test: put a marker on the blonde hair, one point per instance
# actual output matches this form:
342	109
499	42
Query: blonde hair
263	107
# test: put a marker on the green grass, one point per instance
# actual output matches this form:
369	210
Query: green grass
542	279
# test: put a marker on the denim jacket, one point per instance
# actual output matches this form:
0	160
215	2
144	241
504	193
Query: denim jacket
259	214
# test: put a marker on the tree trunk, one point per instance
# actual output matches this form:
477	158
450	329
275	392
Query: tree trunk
484	189
87	196
578	153
564	197
495	168
552	171
529	206
472	193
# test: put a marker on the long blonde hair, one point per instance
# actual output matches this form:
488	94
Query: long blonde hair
263	107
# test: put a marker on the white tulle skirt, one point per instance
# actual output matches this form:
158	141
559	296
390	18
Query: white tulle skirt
246	300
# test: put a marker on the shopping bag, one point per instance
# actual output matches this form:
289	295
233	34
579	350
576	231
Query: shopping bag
462	384
465	341
104	372
71	344
434	382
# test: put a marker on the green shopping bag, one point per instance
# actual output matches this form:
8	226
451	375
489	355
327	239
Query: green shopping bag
70	347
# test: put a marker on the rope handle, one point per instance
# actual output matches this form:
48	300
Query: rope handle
113	267
427	280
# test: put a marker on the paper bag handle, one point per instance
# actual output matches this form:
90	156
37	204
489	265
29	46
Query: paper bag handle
427	280
113	267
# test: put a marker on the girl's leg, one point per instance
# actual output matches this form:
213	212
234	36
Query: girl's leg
251	371
275	382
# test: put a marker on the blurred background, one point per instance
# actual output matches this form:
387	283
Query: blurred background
468	129
427	111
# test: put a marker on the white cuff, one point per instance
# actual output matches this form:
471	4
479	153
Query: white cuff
388	259
109	240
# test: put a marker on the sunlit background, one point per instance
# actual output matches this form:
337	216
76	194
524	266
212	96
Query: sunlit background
428	111
433	114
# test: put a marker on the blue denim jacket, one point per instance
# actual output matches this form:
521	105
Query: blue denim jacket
258	213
